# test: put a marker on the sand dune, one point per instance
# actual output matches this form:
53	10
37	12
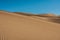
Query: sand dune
20	27
47	17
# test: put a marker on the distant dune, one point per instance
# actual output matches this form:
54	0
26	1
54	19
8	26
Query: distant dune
18	26
50	17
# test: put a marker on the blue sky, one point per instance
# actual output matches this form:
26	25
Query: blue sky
31	6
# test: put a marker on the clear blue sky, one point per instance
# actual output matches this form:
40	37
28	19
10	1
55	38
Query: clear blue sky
32	6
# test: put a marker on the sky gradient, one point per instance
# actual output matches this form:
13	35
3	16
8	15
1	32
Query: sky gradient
31	6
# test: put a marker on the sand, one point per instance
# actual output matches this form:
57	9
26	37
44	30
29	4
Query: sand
20	27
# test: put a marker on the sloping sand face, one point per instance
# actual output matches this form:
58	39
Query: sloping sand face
14	27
